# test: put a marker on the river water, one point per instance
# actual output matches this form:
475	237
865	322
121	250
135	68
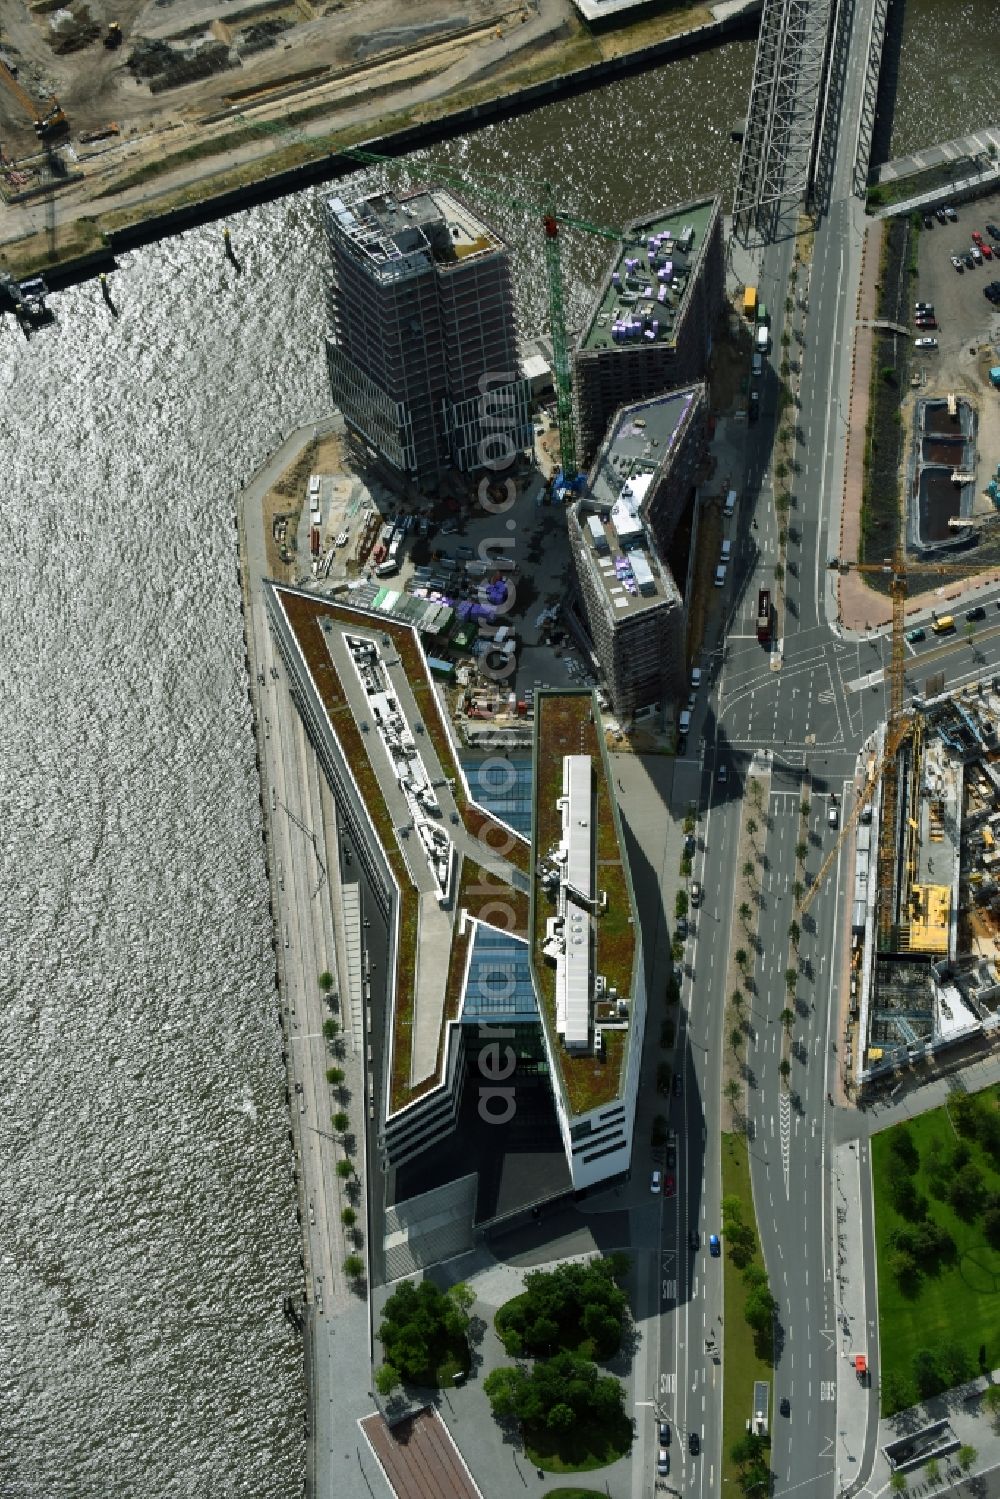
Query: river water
948	65
149	1230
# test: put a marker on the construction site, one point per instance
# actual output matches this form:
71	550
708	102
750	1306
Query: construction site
925	907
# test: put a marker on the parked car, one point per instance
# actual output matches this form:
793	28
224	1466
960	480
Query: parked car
977	613
696	892
925	343
968	262
993	231
690	845
987	252
977	238
682	926
669	1185
714	1247
915	636
926	322
655	1182
957	262
992	292
950	214
976	254
694	1240
664	1433
928	221
940	215
923	306
663	1462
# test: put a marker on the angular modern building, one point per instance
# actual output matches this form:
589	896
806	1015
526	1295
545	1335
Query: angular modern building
620	531
651	325
503	1000
423	351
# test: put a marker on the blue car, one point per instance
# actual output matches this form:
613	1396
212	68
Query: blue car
714	1247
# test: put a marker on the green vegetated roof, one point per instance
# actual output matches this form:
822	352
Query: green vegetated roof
569	723
305	613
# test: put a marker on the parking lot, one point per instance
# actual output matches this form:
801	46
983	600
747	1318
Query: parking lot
968	325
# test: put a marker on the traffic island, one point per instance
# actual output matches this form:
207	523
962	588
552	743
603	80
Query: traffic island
747	1331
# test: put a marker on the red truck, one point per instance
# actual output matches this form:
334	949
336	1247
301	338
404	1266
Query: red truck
763	616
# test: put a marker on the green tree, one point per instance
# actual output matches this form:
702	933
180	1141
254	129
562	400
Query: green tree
967	1455
341	1122
745	912
421	1330
733	1092
462	1295
502	1387
354	1267
791	979
736	1039
804	808
752	827
798	891
787	1018
794	933
968	1188
926	1375
904	1270
897	1392
741	957
749	871
991	1400
386	1379
681	904
326	981
785	1068
801	850
898	1482
779	571
330	1028
738	1000
345	1169
348	1217
573	1307
932	1470
335	1076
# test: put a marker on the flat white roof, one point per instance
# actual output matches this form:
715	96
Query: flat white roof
573	973
577	830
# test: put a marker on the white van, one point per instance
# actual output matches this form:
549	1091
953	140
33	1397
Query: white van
720	575
727	548
387	569
730	505
684	722
695	678
763	340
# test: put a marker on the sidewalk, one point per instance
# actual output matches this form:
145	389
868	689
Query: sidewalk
852	1315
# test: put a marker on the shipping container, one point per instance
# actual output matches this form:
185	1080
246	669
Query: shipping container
750	303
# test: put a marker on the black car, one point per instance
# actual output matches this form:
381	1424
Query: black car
678	1085
754	408
682	926
664	1433
785	1406
694	1240
940	215
682	744
993	231
694	1444
690	845
928	221
671	1158
977	613
968	262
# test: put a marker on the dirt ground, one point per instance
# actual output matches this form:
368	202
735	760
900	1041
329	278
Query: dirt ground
286	499
95	86
968	329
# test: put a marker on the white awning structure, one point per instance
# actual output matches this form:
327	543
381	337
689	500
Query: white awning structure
574	980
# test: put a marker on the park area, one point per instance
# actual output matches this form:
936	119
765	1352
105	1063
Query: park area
749	1311
936	1182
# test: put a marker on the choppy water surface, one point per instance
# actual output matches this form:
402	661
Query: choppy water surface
947	71
149	1233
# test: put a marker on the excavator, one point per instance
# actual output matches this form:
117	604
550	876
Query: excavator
50	121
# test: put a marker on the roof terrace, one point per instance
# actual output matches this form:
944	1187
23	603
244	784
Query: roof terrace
648	284
583	913
405	235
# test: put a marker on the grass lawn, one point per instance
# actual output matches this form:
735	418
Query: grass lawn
961	1302
740	1364
578	1451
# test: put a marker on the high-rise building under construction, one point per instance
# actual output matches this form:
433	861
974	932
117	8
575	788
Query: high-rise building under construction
422	352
